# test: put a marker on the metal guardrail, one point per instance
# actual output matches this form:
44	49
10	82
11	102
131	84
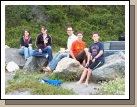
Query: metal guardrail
111	47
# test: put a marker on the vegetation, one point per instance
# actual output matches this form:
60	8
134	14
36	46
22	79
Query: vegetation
24	81
64	78
108	20
115	87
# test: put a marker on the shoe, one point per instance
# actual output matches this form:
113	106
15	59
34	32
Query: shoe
47	56
26	59
47	69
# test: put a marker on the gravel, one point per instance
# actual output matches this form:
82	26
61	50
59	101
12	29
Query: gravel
81	89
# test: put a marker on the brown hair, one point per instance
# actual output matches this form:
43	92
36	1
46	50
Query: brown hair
95	33
27	31
79	32
43	27
70	27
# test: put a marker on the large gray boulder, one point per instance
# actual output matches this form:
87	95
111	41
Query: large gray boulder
12	54
114	67
35	63
32	64
68	66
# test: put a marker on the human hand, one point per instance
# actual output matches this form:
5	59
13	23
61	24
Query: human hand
62	51
40	50
77	61
87	64
45	41
22	46
93	60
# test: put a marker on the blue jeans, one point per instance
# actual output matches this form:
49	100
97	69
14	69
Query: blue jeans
27	52
56	59
45	51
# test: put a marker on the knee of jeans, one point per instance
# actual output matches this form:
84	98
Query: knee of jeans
30	47
33	52
49	47
60	56
25	48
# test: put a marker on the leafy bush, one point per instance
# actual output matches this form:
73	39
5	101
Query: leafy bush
109	21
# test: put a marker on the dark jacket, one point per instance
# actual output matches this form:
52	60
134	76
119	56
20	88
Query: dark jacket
40	41
22	41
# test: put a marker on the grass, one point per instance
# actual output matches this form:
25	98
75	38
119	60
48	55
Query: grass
114	87
25	80
63	78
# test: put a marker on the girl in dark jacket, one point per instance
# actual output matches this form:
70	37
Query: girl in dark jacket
26	45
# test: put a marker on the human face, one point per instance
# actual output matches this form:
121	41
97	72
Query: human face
44	31
95	37
26	33
79	36
69	31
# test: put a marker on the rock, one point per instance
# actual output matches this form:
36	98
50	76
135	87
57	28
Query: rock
113	67
68	66
35	63
12	54
6	46
32	64
12	66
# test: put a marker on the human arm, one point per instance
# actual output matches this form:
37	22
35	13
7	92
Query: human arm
98	55
72	49
22	43
50	41
89	55
30	42
88	59
72	55
101	51
38	43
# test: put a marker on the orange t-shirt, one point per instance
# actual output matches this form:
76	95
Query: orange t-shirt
77	47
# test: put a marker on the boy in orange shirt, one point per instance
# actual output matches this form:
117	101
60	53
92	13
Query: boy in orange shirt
78	50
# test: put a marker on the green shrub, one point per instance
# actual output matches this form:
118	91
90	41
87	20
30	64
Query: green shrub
115	87
109	21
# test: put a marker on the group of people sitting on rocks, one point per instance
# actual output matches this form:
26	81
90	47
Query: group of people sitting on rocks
90	58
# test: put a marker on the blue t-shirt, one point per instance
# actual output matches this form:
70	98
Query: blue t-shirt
95	48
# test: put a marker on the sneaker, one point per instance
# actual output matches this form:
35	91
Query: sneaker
47	56
27	59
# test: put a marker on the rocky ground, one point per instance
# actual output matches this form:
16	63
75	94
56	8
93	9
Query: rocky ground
79	89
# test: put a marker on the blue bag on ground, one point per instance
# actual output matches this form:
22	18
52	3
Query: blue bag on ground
52	82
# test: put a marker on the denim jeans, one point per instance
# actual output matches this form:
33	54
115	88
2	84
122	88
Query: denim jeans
27	52
56	59
45	51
